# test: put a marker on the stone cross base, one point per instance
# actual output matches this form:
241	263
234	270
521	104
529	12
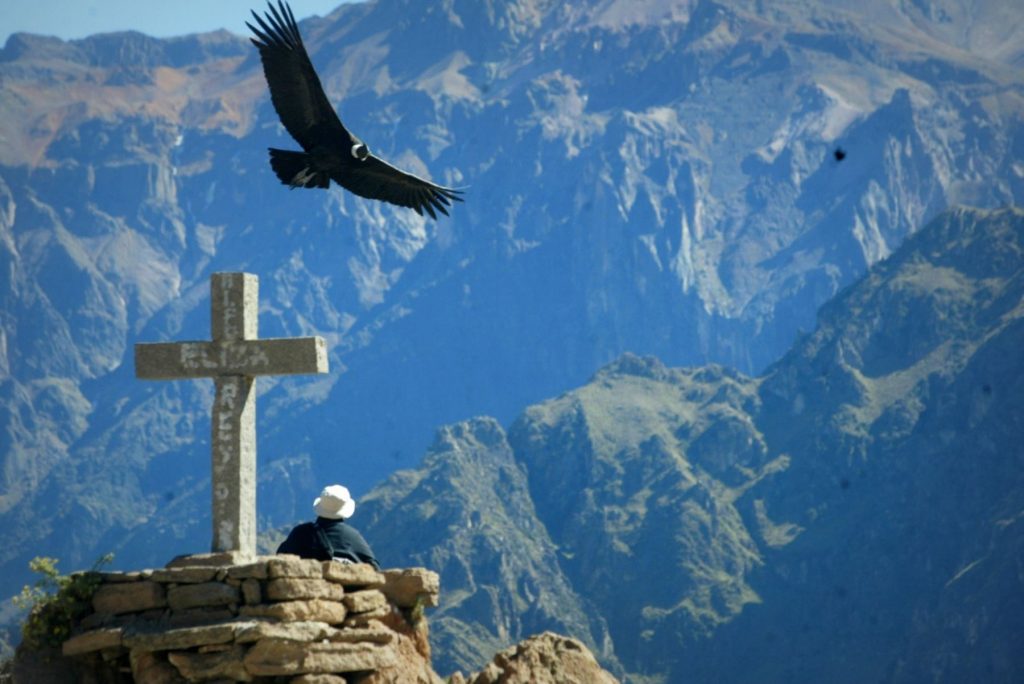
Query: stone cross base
277	616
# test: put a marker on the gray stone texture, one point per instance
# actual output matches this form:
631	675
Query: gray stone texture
224	559
154	638
365	601
293	566
129	597
251	592
318	679
294	631
257	570
226	664
153	668
207	594
274	657
353	574
186	575
95	640
233	358
320	610
405	588
288	588
202	615
546	658
375	633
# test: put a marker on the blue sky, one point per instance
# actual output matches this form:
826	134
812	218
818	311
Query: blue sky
162	18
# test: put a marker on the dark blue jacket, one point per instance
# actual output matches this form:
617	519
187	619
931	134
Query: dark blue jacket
311	540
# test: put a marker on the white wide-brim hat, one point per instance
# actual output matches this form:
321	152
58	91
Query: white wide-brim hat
335	502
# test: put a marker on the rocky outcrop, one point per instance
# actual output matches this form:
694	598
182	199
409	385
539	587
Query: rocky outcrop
543	659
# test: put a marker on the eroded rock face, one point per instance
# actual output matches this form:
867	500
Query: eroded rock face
547	658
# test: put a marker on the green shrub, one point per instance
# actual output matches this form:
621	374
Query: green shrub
56	601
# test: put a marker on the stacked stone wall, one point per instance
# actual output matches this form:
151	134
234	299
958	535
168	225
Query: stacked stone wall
275	619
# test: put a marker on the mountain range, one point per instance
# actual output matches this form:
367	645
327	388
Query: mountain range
855	513
657	180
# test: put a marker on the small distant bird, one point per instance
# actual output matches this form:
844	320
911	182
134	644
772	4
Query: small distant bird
331	152
839	154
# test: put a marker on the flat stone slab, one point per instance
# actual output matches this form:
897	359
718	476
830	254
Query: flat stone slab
128	597
153	668
203	595
257	570
365	601
276	657
251	592
292	631
156	639
96	640
290	588
186	575
112	577
219	558
366	620
317	610
375	633
353	574
287	565
203	615
217	665
411	586
318	679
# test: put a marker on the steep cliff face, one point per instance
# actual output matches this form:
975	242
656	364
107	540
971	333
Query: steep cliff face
467	511
653	177
635	475
906	472
853	514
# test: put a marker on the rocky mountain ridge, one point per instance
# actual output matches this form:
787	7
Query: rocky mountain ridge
852	514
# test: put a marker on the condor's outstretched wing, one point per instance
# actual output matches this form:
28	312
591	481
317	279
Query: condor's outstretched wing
295	88
374	178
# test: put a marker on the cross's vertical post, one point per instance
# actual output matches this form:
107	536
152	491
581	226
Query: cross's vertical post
233	358
234	316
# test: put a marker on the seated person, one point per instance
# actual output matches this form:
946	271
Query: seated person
328	536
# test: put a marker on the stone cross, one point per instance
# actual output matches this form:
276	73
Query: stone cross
233	358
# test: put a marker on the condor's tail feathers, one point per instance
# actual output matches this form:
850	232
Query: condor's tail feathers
295	169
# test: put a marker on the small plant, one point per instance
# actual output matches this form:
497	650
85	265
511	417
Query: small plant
55	601
415	613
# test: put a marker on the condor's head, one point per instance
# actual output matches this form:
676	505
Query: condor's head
360	151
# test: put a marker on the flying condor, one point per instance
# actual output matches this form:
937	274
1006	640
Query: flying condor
330	151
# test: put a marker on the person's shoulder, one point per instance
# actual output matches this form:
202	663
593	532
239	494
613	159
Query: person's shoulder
301	529
352	534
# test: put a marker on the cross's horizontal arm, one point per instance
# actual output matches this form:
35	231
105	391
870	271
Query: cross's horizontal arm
184	360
